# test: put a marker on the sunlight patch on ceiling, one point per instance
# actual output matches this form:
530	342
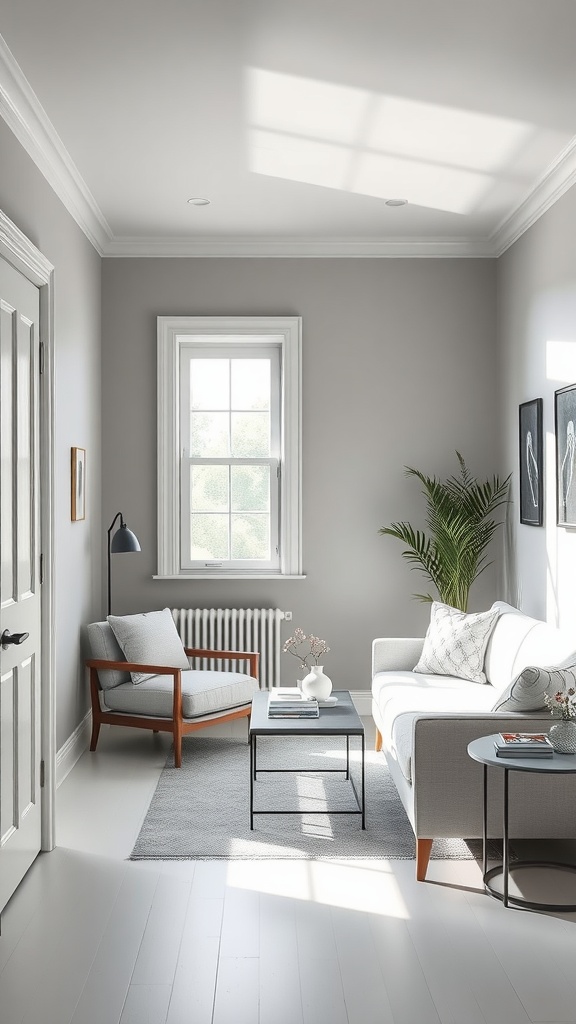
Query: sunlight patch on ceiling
305	107
354	140
443	188
299	159
457	138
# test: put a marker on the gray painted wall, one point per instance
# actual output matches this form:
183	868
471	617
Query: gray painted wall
29	201
399	360
537	328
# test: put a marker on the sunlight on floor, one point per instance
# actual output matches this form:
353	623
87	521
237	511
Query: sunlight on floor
369	887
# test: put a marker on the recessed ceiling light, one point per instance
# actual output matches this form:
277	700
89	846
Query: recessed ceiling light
396	202
199	202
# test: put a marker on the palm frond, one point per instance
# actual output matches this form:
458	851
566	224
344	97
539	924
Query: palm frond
459	514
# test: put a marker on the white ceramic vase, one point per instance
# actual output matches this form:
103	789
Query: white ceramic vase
317	683
563	737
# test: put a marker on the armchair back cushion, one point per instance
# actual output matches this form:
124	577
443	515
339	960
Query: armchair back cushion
104	646
150	638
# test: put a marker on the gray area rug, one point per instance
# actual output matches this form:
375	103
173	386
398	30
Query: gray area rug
201	810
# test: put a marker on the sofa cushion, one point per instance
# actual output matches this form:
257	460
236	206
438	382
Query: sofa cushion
455	643
545	645
401	696
150	638
526	692
203	693
103	646
510	631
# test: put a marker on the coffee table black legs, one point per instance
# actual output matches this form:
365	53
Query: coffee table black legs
359	798
252	777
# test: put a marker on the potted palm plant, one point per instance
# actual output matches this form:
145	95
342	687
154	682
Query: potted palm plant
459	515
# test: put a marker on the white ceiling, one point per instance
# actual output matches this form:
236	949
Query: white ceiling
297	119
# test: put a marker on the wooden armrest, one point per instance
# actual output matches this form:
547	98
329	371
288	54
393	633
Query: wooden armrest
191	652
200	652
252	657
131	666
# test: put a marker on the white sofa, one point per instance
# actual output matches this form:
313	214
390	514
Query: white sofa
425	722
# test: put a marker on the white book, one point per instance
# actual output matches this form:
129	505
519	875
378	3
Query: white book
289	695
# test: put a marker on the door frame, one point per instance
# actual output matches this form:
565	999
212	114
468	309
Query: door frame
23	255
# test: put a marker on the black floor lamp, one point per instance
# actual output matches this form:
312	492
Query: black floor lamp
123	540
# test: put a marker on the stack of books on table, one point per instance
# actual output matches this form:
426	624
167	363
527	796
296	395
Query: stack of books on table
523	744
290	702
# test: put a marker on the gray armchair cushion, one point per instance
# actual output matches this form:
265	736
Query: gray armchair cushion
203	693
104	646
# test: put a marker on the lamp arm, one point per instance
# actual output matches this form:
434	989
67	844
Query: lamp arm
112	525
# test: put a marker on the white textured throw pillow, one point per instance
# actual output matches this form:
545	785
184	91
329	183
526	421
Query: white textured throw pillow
526	691
150	639
455	644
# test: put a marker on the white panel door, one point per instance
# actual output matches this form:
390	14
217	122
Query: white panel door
20	603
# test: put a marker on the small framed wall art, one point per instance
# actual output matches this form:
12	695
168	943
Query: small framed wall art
531	464
565	419
78	489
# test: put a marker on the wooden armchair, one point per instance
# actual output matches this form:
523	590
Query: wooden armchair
172	700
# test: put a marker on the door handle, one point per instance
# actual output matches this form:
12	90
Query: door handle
12	638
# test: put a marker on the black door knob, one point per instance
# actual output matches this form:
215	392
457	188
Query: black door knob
13	638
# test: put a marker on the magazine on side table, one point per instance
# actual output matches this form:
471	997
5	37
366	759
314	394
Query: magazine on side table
523	744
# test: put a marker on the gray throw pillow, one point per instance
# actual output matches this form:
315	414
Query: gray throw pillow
526	691
149	639
456	642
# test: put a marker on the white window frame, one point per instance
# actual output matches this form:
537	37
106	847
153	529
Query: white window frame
174	333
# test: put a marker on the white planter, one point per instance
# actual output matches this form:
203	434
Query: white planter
563	737
317	683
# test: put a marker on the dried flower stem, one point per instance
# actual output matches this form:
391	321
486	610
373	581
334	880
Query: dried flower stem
316	647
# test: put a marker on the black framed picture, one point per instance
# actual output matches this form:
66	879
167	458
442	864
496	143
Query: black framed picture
565	419
531	464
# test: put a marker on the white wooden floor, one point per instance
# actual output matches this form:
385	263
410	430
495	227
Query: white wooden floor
91	938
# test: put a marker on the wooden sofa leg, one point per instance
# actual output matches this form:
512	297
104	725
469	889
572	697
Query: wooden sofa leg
378	743
423	851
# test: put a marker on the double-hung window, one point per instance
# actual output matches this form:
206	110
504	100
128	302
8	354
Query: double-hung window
229	447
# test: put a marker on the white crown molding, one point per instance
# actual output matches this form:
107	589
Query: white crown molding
286	248
20	251
26	117
556	180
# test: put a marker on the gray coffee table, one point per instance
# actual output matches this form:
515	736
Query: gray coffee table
340	720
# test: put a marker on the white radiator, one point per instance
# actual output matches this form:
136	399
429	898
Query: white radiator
234	629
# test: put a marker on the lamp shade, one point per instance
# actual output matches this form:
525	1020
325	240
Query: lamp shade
124	540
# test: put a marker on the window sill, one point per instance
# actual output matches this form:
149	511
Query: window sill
231	576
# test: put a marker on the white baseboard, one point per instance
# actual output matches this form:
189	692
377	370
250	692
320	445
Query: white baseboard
362	702
73	748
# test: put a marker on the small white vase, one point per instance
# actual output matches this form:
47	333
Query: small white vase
563	737
317	683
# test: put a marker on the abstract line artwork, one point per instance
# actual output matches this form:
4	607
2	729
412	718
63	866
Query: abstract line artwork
531	464
565	417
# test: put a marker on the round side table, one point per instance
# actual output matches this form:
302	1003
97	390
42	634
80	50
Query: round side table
483	750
